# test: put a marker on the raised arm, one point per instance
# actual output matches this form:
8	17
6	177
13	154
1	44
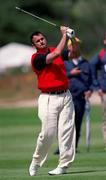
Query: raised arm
51	56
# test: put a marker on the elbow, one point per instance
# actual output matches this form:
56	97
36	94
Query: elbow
50	57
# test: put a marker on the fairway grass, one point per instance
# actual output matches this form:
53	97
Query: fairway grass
19	129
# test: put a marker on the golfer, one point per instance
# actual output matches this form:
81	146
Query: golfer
55	105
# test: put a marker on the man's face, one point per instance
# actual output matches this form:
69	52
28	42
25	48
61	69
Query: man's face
39	41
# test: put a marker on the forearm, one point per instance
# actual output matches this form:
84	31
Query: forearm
60	46
58	50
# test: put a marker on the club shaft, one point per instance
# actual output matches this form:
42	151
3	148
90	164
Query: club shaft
35	16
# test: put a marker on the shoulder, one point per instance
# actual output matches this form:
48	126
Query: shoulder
84	60
36	56
33	55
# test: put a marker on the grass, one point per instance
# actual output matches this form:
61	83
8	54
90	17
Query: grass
18	131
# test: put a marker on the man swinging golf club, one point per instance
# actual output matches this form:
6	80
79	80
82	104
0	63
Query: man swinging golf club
55	105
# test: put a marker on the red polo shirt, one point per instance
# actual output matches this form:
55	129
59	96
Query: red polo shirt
53	76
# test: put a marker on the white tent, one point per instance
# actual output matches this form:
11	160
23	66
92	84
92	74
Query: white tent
15	55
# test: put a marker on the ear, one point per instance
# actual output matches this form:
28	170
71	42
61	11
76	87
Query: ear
33	45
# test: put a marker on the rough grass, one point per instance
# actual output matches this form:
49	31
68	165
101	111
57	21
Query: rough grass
19	129
19	86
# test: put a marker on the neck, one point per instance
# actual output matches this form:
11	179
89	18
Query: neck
44	50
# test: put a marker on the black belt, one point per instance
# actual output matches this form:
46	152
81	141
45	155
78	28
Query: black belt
57	92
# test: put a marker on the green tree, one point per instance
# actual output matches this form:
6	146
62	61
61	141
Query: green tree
86	17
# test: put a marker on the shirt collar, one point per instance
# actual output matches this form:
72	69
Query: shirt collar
76	60
45	50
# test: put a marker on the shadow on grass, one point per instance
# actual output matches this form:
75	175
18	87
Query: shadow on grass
86	171
71	173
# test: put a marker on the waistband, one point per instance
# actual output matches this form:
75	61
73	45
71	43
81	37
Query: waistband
57	92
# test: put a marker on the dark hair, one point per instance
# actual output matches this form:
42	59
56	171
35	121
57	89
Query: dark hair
36	33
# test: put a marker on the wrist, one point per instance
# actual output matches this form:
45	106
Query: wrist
64	35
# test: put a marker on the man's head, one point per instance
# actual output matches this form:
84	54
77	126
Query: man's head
38	40
74	49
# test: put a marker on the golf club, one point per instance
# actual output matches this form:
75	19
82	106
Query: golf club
33	15
70	32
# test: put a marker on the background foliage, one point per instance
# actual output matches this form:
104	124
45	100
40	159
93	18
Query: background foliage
88	18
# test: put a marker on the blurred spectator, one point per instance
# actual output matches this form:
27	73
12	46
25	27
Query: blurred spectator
98	67
80	79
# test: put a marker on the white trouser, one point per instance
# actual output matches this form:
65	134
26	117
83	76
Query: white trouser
57	115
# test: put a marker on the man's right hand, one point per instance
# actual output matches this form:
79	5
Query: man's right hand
63	29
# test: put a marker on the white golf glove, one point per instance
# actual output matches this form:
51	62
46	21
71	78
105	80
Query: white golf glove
70	33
